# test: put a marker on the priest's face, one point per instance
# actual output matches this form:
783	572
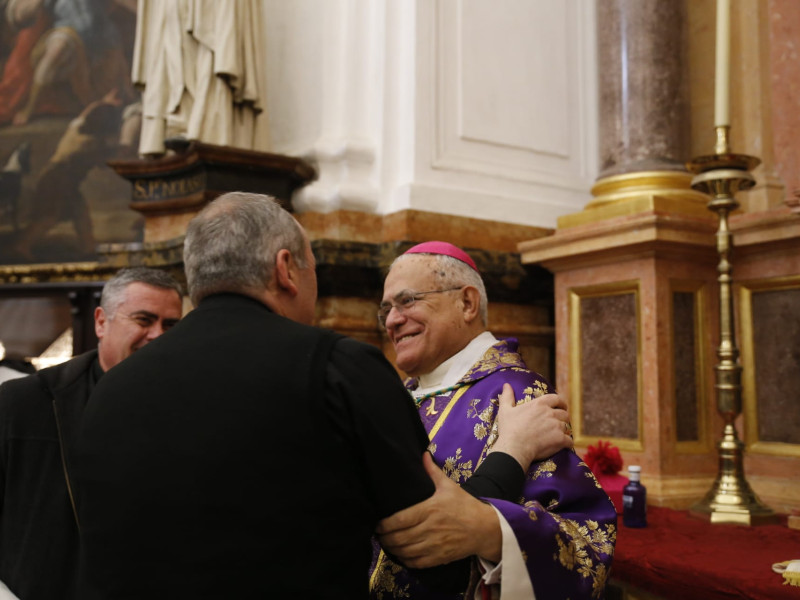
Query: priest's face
144	314
431	328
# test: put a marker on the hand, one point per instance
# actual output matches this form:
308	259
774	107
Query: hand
448	526
534	430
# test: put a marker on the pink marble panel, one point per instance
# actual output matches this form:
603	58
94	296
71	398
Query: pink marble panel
776	341
684	365
609	367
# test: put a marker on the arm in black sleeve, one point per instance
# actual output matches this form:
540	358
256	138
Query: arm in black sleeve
376	420
498	476
389	437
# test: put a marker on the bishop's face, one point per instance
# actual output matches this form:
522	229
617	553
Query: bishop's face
432	328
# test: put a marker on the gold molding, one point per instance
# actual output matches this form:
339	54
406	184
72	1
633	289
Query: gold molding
53	273
750	401
112	256
644	191
628	185
576	353
698	289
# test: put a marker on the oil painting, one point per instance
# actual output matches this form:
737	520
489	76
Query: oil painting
67	106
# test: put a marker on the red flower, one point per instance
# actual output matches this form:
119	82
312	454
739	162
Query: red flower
603	459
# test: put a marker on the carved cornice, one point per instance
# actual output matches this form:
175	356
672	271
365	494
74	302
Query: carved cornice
344	268
196	173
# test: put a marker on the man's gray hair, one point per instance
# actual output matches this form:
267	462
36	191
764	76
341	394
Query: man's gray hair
114	290
232	244
450	272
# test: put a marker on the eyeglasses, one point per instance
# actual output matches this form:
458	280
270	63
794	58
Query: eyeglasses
404	301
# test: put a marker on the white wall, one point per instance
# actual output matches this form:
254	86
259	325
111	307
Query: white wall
485	108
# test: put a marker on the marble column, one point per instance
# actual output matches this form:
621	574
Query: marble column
643	86
635	279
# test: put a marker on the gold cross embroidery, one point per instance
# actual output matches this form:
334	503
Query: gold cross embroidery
431	410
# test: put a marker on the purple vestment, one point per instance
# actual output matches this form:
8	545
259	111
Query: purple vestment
565	524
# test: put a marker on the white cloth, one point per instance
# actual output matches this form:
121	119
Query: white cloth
5	375
790	570
5	593
516	584
454	368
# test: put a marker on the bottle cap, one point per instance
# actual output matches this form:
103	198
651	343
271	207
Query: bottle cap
634	469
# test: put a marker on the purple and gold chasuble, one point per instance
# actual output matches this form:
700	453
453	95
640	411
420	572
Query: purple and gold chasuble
565	524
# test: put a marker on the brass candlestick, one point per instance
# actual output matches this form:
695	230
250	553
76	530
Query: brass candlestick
731	499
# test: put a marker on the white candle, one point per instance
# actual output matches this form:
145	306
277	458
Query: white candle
723	68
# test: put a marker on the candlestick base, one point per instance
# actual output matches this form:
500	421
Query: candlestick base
731	499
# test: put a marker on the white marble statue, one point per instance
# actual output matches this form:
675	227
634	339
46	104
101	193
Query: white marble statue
201	66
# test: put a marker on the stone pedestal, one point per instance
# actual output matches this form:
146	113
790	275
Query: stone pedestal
635	315
170	190
635	271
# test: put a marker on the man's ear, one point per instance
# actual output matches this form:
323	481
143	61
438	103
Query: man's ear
100	322
471	300
285	272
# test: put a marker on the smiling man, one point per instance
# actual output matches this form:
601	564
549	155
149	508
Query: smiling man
557	540
40	417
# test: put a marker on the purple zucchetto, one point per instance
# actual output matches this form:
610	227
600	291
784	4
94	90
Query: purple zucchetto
444	248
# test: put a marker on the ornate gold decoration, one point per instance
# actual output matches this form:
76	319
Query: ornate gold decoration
642	191
730	499
54	273
456	469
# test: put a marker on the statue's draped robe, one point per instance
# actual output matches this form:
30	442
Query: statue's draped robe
564	524
202	72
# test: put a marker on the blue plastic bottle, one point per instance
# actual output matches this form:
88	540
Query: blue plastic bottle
634	500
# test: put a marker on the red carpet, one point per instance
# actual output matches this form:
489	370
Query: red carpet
678	556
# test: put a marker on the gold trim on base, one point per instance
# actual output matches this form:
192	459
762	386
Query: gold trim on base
632	193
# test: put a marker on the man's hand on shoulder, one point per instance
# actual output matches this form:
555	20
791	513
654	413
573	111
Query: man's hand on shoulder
534	430
448	526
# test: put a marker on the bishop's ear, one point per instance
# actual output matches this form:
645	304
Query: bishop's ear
471	301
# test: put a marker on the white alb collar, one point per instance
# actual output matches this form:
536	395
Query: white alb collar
454	368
